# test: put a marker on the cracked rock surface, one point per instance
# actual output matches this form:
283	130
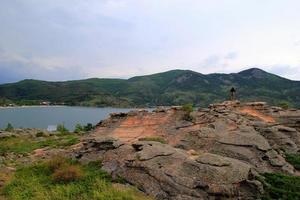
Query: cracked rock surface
219	154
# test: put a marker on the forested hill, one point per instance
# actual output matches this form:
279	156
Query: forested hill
174	87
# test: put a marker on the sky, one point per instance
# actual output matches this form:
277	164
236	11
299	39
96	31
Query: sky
76	39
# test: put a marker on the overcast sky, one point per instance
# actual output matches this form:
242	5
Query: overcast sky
76	39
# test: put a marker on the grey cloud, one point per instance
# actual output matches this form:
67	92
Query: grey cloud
68	39
16	67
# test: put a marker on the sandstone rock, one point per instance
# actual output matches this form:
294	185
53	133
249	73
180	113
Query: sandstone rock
149	150
255	104
245	138
103	143
217	156
275	159
169	173
214	160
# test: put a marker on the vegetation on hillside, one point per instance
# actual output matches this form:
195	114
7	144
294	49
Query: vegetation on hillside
280	186
294	159
177	87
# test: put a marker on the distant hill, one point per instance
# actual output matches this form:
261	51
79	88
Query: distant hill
174	87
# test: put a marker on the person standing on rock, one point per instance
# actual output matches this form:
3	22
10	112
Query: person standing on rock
232	94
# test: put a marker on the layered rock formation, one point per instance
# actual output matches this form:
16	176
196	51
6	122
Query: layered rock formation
219	154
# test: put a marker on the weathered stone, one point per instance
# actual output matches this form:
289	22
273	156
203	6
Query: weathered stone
212	159
217	156
275	159
149	150
104	143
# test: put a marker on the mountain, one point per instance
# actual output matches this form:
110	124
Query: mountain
168	88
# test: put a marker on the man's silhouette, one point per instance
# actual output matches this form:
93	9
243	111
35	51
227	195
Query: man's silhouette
232	94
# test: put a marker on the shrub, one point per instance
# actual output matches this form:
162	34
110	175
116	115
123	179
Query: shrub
280	186
9	127
294	159
88	127
67	173
284	105
39	134
78	128
62	129
155	139
187	108
56	162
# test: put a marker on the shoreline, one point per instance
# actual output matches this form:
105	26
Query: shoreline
35	106
49	106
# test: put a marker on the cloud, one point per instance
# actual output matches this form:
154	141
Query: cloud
59	40
286	70
15	67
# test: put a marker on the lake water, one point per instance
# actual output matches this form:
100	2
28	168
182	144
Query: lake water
42	117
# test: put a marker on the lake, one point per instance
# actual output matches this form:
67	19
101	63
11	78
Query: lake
42	117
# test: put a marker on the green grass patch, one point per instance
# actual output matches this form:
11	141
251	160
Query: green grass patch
23	145
155	139
280	186
36	182
293	159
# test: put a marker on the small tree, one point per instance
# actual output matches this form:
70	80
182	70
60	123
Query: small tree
9	127
187	108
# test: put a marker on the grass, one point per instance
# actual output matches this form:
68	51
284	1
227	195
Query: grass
294	159
23	145
280	186
36	182
155	139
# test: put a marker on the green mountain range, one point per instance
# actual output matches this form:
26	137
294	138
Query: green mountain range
174	87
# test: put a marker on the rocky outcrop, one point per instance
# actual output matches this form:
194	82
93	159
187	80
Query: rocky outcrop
166	172
217	154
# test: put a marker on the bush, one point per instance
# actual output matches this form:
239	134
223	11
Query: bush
284	105
294	159
187	108
56	162
62	129
88	127
9	127
78	128
67	173
155	139
280	186
39	134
